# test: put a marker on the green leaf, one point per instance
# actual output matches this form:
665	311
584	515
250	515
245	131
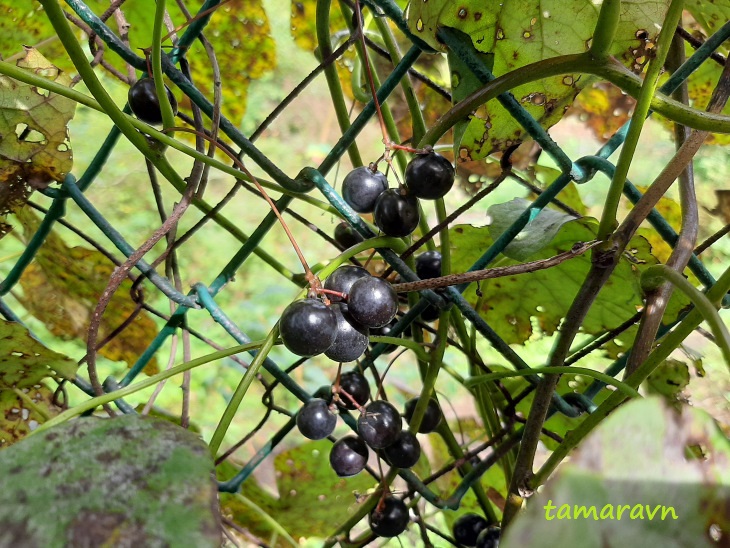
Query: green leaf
637	457
538	233
520	32
127	481
62	287
312	498
34	149
510	304
669	379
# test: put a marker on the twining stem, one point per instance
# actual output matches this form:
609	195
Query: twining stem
497	272
93	403
605	31
653	277
168	117
609	220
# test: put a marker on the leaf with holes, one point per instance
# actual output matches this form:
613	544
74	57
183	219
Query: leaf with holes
23	409
665	498
668	380
34	149
520	32
127	481
510	303
62	286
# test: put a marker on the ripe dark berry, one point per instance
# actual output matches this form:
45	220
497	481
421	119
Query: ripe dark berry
348	456
308	327
315	421
489	537
143	101
431	418
404	452
357	386
429	176
342	279
352	337
396	214
385	331
346	236
372	301
379	424
389	518
467	528
361	188
428	265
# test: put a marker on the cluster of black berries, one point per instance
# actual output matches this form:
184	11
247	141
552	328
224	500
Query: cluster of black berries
341	331
395	210
380	428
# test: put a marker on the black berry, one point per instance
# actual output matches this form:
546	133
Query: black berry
389	518
489	537
142	98
429	176
396	214
428	265
431	418
357	386
352	337
348	456
308	327
404	452
346	236
372	301
379	424
430	314
361	188
467	528
342	279
315	421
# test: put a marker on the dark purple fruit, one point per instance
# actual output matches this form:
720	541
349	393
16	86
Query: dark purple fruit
430	314
346	236
467	528
372	301
361	188
142	98
429	176
428	265
389	518
489	537
431	418
348	456
357	386
396	214
315	421
404	452
342	279
352	337
379	424
308	327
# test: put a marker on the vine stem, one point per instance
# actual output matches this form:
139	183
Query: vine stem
168	117
605	31
497	272
104	399
609	220
652	278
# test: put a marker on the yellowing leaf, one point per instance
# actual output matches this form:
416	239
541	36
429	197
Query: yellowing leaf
62	287
34	149
22	410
